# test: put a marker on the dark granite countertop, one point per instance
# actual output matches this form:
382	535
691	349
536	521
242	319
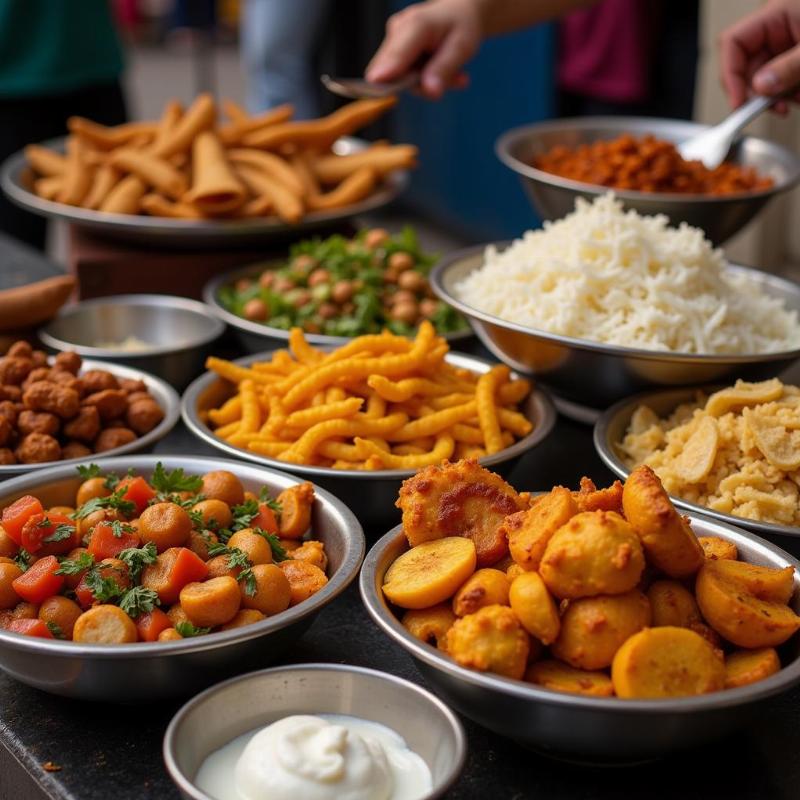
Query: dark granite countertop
106	752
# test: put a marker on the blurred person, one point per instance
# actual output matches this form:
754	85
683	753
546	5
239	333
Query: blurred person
279	39
58	58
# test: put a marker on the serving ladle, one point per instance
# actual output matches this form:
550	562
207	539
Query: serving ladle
358	88
712	146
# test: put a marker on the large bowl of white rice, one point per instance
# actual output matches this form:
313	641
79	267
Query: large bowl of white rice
607	302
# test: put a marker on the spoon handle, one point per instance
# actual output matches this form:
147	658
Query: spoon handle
745	113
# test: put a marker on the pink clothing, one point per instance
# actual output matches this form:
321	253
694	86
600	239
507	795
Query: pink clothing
604	50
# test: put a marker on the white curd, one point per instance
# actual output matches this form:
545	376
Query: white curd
324	757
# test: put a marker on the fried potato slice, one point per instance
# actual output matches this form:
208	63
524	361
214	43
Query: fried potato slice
430	625
669	542
490	640
430	573
666	662
718	549
766	583
562	677
596	552
739	616
673	605
594	628
697	456
528	532
534	607
743	667
743	394
461	499
485	587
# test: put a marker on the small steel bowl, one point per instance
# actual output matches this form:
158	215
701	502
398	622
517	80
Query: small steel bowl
597	374
178	333
371	494
162	393
575	727
145	671
255	337
223	712
719	216
613	425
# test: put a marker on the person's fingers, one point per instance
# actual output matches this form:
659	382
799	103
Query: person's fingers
737	45
779	75
446	63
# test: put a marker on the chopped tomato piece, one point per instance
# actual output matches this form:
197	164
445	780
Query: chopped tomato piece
40	581
105	543
137	491
266	519
17	514
30	627
151	623
171	571
46	529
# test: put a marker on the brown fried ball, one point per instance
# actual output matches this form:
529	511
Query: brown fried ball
85	426
75	449
47	396
14	370
113	437
9	411
110	403
38	422
20	349
129	385
143	415
97	380
37	448
6	431
68	362
7	456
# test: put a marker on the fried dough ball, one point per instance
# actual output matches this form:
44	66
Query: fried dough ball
14	369
36	448
295	503
313	552
666	662
37	422
590	498
304	579
245	616
672	604
223	485
75	449
255	547
53	398
214	510
166	525
276	589
562	677
430	625
534	607
7	456
594	628
485	587
67	362
85	426
669	542
143	415
528	532
490	640
596	552
461	499
111	438
110	403
97	380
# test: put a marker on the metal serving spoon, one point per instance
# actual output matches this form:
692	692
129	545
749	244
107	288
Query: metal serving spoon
357	88
712	146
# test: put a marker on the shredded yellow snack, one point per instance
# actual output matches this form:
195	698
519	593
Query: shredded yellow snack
736	451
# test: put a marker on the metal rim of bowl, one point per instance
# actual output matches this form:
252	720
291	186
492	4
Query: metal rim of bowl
192	420
186	785
211	299
12	186
355	547
606	450
162	392
506	141
379	611
217	327
437	281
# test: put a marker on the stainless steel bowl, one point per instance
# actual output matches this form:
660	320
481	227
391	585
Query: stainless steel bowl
16	182
144	671
255	337
613	425
596	374
720	217
178	333
370	493
252	701
162	393
587	728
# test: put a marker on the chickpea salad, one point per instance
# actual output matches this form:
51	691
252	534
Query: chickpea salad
346	287
159	559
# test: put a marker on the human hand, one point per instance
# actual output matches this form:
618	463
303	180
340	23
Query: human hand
761	53
445	32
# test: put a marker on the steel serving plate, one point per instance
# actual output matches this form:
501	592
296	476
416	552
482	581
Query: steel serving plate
178	333
370	493
613	425
255	337
599	374
162	393
576	727
246	703
720	216
15	180
146	671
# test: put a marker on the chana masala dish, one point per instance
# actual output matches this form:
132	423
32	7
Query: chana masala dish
159	559
647	164
602	592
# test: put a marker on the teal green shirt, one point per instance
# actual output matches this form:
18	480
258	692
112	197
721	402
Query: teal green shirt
56	46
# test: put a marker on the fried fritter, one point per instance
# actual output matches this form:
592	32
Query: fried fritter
590	498
461	499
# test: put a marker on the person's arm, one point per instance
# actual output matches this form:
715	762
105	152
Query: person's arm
761	52
447	33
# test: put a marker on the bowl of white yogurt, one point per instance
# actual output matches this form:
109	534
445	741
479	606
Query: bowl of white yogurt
315	732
